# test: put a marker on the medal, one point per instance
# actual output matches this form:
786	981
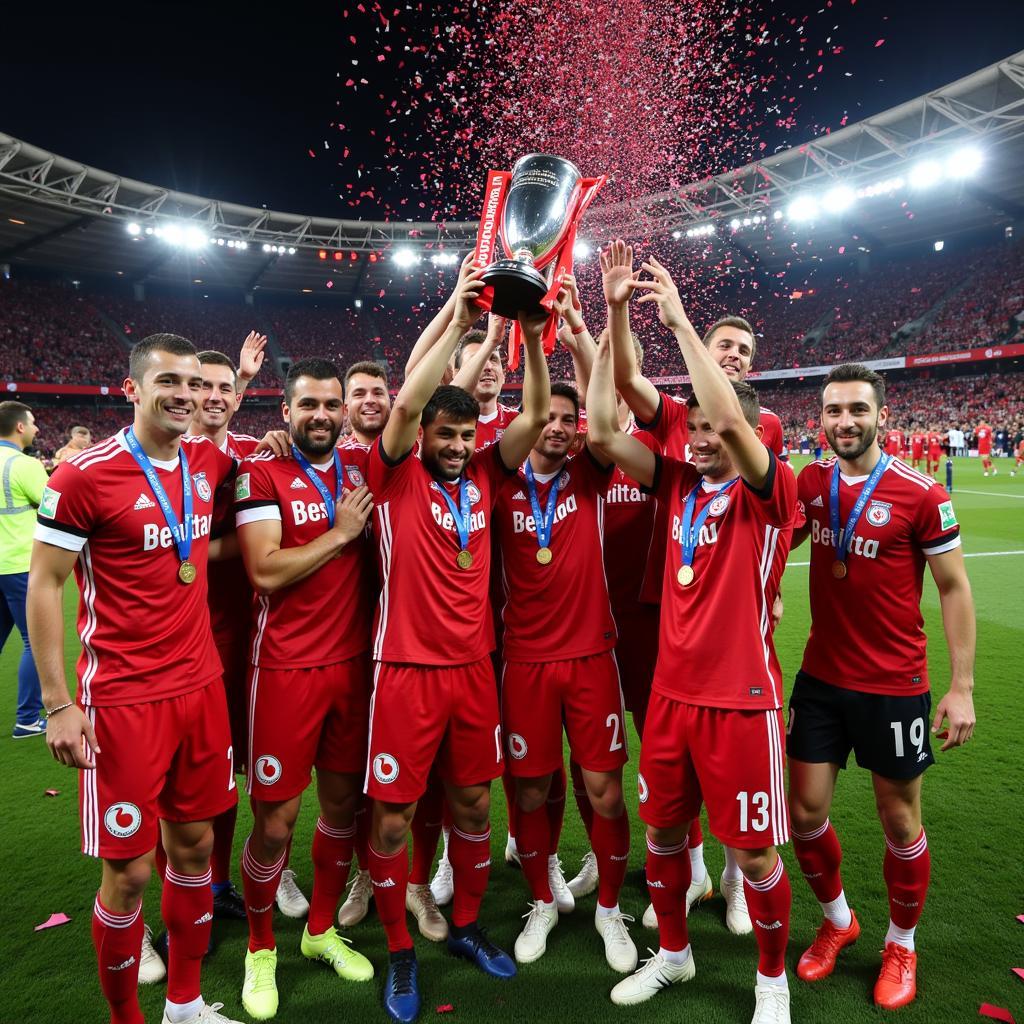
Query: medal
841	538
187	572
690	531
686	575
544	555
464	559
839	570
543	520
462	516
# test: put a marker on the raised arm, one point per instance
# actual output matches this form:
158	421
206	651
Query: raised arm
435	330
468	375
958	622
249	362
713	389
521	434
403	425
618	276
574	336
604	435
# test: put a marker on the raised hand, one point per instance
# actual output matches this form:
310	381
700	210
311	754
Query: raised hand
251	358
351	513
617	273
662	290
467	291
496	328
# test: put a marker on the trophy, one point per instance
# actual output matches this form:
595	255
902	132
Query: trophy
536	210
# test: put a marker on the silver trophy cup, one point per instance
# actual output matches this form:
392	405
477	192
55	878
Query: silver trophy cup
534	221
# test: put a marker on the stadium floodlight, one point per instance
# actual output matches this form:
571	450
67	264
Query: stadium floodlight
803	208
171	234
581	250
838	199
405	258
777	215
134	229
939	245
677	235
444	259
925	174
735	223
193	238
964	163
291	250
358	303
266	247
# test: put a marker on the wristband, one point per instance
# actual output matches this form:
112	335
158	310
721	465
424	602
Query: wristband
50	712
578	330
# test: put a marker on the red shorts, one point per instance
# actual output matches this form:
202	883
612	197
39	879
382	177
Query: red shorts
934	454
583	694
167	759
234	657
916	454
637	653
422	715
730	760
302	717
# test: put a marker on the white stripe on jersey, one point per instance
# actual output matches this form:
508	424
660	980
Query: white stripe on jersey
98	453
90	810
901	469
384	521
261	625
777	804
89	601
369	738
771	537
941	548
252	718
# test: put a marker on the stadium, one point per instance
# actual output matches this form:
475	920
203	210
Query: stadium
895	241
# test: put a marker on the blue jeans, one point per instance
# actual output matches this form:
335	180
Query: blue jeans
12	613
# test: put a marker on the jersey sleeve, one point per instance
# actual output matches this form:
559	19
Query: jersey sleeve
67	509
935	527
256	499
30	480
669	475
778	496
772	436
386	476
668	420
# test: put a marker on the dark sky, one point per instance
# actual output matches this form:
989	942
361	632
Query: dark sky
226	100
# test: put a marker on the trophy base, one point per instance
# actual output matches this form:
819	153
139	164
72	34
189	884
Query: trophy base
518	288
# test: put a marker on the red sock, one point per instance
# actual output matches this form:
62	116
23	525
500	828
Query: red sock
907	870
695	837
426	830
769	902
820	855
332	858
364	818
579	792
668	878
470	856
610	839
533	843
259	886
118	942
556	809
390	877
187	909
223	838
508	783
160	854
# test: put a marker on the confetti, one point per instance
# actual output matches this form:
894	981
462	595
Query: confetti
52	792
996	1013
53	921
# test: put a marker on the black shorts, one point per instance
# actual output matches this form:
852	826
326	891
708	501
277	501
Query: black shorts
888	735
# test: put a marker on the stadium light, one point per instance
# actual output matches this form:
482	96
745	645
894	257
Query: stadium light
838	199
677	235
735	223
358	303
134	229
241	245
939	245
444	259
925	174
193	238
266	247
171	234
291	250
777	215
964	163
802	208
405	258
581	250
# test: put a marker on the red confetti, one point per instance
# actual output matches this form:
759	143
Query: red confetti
996	1013
879	43
445	1008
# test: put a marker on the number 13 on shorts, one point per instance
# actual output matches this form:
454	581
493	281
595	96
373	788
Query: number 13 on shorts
753	811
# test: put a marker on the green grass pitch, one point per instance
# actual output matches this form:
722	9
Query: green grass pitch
968	939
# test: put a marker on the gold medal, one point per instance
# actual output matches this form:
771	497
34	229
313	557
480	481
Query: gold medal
464	559
187	572
839	570
686	575
544	555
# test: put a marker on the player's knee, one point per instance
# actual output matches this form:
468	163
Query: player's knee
667	836
472	809
805	816
606	796
390	827
756	864
532	794
127	880
901	822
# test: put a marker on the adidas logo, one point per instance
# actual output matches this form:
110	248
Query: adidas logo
298	484
206	917
519	496
144	501
259	910
482	864
124	966
620	858
767	927
527	856
655	885
388	883
817	502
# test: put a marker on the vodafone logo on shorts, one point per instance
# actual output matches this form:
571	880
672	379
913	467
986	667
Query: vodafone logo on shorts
122	820
268	769
385	769
641	785
516	746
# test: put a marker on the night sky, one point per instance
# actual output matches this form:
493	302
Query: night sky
214	100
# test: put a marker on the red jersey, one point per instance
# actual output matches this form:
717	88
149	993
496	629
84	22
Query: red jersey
908	516
715	644
230	595
894	442
917	445
324	618
822	440
430	611
984	438
537	627
145	635
934	445
490	428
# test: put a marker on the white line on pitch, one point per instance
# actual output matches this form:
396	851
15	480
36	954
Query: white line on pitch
968	554
988	494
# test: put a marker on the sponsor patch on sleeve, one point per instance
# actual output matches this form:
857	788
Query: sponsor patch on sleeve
48	503
242	487
947	517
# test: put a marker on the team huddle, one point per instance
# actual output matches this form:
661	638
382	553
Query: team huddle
429	602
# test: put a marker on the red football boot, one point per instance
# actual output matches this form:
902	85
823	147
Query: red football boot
897	982
820	959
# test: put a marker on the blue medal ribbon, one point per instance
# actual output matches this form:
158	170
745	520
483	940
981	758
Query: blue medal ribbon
841	538
182	532
691	530
546	521
461	515
314	476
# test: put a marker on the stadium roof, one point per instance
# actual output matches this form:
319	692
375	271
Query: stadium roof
898	178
